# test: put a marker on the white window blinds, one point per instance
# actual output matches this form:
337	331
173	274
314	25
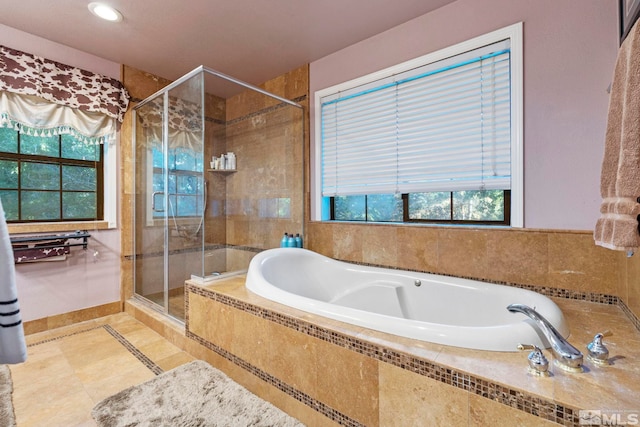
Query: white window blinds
444	126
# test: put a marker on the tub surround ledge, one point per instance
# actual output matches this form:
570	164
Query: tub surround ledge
294	352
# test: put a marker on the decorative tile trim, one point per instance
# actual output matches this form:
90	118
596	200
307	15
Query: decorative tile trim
266	110
324	409
115	334
630	314
134	350
513	398
64	336
209	247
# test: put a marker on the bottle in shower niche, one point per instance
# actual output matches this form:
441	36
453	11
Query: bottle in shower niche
284	241
231	161
298	240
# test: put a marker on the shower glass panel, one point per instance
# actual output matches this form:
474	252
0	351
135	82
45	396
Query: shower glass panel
203	221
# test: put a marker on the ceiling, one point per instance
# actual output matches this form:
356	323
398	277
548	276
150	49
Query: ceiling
252	40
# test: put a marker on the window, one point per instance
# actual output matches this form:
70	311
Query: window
436	139
49	178
58	135
185	183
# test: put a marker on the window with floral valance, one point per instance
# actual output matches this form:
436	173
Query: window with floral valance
56	123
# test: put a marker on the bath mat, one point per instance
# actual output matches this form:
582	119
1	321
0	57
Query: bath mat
192	395
7	416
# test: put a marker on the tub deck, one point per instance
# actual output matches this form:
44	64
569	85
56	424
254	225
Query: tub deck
614	387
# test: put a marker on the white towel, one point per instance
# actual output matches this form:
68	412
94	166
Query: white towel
12	344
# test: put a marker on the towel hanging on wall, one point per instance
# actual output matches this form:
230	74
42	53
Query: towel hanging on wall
12	344
617	227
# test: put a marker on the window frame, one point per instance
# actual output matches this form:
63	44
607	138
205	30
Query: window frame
319	211
102	195
151	171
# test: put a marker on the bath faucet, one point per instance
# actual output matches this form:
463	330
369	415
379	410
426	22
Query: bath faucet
567	356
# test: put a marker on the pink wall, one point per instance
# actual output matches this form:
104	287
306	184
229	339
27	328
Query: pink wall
26	42
570	49
83	280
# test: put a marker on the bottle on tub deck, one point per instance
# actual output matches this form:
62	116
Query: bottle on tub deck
284	241
298	240
291	241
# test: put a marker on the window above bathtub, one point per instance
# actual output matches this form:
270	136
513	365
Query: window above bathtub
435	139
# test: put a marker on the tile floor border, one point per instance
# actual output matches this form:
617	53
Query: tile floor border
148	363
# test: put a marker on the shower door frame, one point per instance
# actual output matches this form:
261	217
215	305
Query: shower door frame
165	136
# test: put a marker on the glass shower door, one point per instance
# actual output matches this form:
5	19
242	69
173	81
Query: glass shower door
149	203
170	193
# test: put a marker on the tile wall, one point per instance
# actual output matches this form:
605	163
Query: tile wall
556	259
254	206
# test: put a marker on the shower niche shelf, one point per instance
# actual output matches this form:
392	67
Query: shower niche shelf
223	171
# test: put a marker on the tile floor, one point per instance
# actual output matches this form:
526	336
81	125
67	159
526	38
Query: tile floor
70	369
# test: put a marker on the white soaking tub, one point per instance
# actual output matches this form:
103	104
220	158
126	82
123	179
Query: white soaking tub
438	309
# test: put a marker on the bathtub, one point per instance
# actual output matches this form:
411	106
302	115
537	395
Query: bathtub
427	307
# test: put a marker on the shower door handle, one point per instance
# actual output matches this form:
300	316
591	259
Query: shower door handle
153	201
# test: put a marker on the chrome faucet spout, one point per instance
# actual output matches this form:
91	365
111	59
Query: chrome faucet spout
567	356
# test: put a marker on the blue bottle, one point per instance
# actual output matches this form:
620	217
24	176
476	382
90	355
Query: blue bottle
285	240
291	242
298	240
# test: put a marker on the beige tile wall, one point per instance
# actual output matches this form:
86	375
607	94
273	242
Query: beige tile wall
563	259
265	196
551	258
368	391
629	284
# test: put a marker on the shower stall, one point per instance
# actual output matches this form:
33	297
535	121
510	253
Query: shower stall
195	216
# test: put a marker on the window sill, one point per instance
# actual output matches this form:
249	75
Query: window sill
47	227
419	224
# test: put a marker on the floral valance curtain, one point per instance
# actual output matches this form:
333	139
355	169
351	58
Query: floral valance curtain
185	123
44	97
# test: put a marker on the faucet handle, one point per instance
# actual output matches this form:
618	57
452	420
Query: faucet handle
598	353
538	363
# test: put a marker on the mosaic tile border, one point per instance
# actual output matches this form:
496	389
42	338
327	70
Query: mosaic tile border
134	350
266	110
208	247
270	379
148	363
543	408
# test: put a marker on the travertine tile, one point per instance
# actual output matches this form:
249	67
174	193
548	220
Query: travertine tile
319	238
576	263
379	245
210	320
348	382
518	257
285	345
251	347
485	412
462	252
407	399
632	282
417	248
347	243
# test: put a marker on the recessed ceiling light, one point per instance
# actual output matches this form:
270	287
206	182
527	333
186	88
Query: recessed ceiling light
104	11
